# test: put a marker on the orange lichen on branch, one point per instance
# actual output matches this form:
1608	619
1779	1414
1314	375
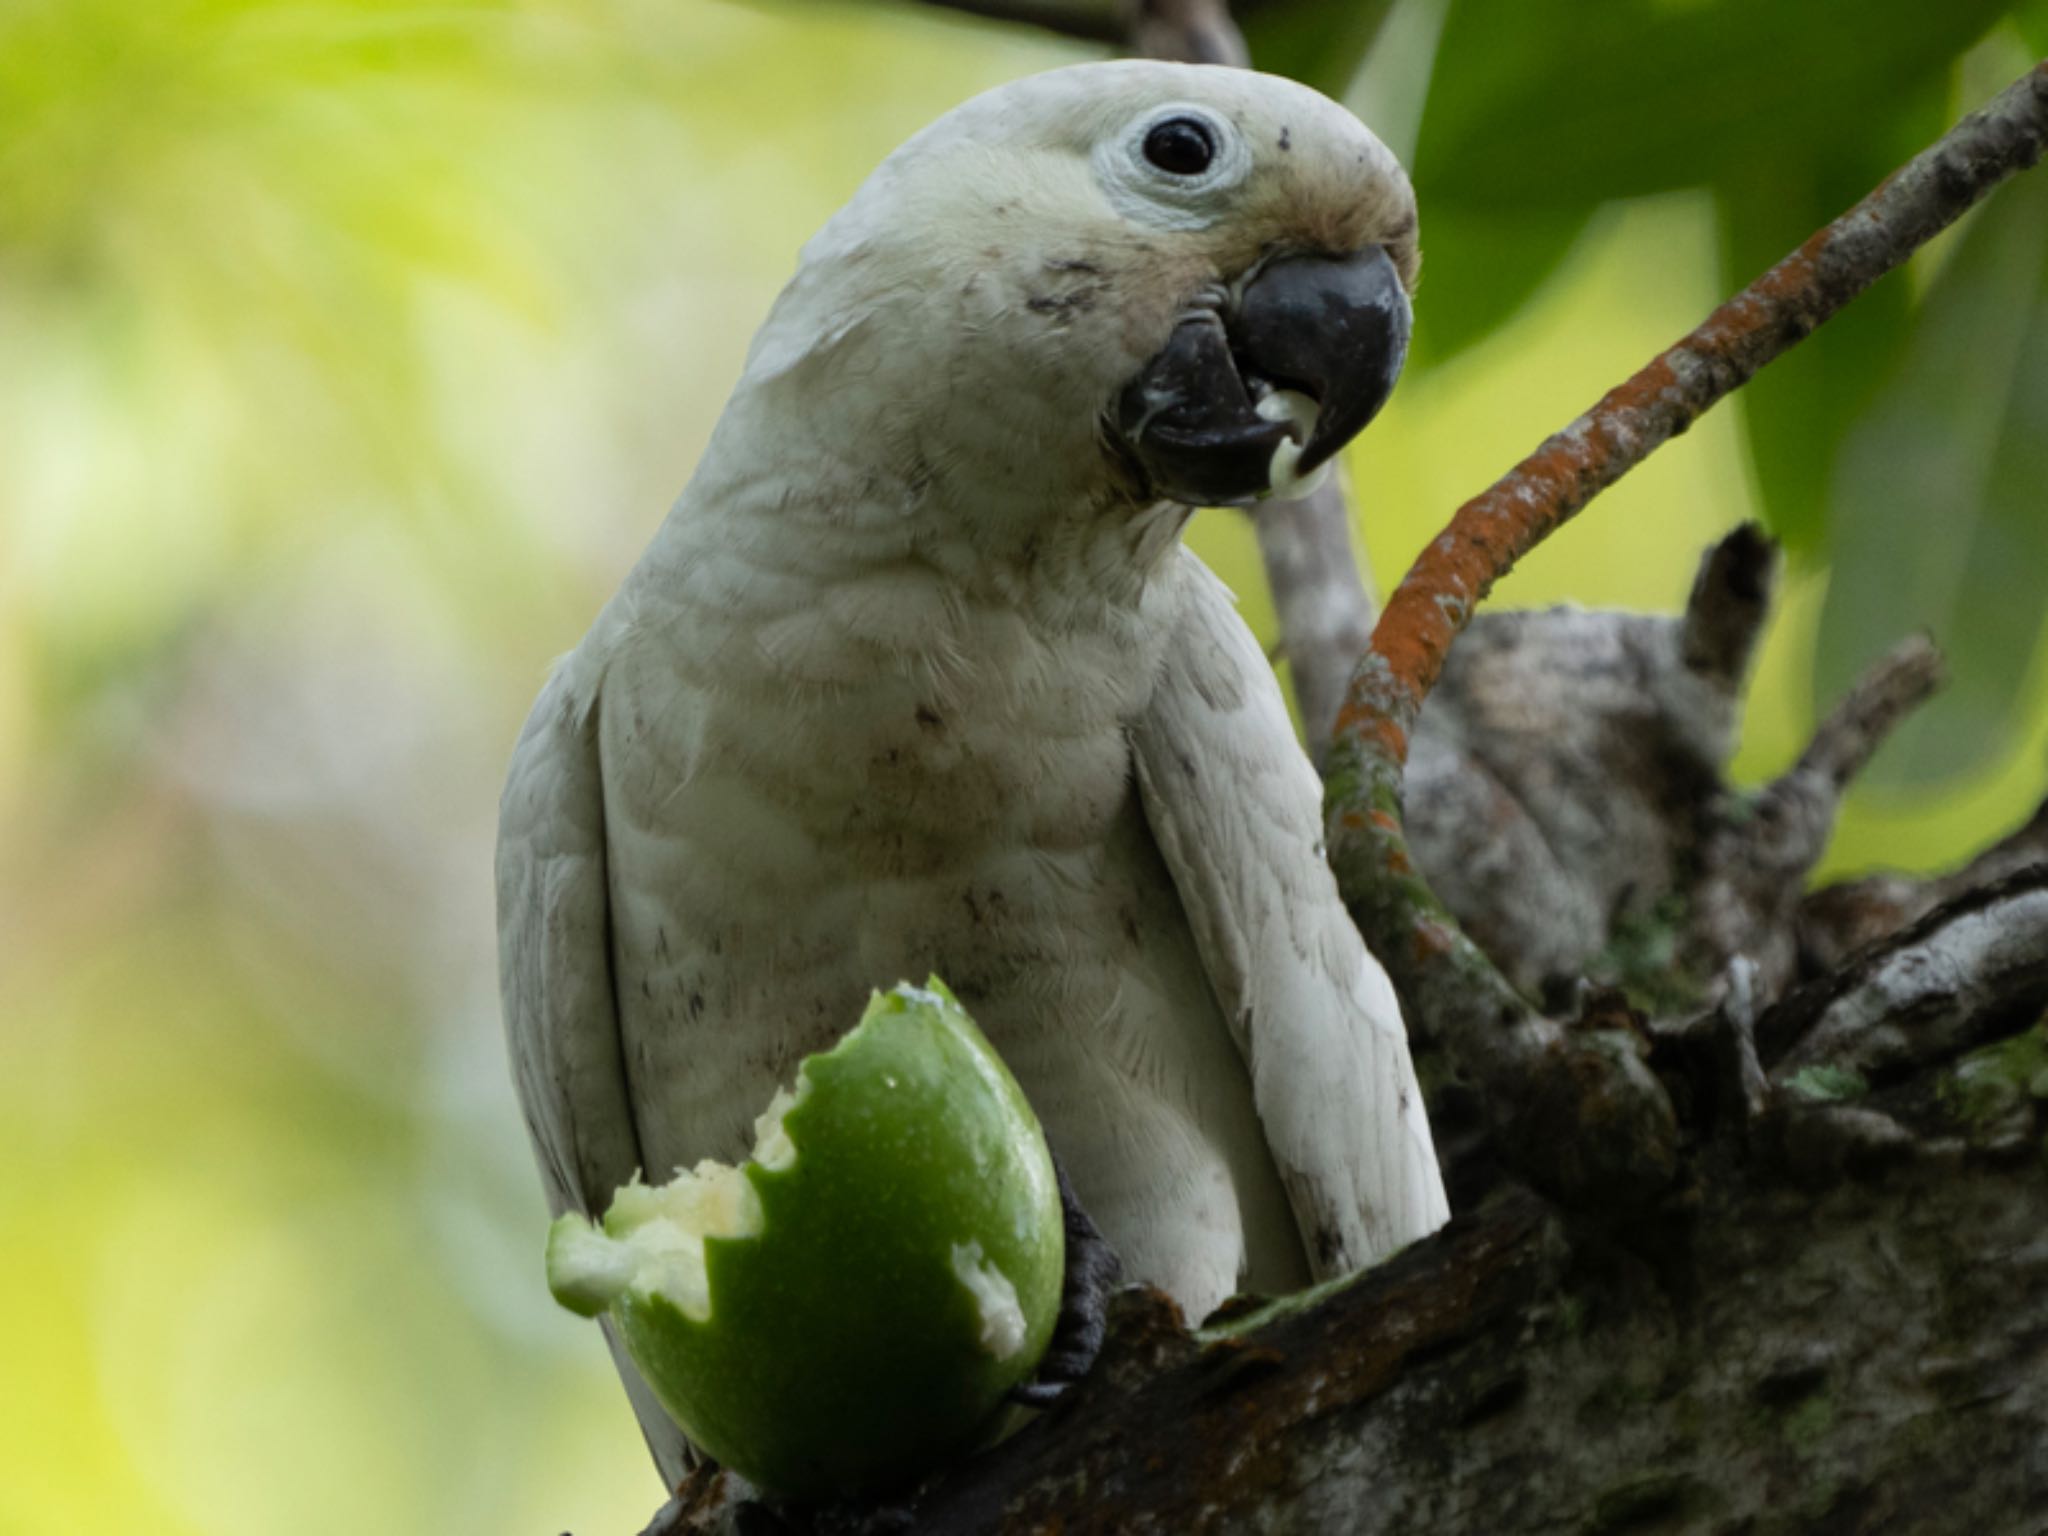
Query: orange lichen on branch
1431	939
1538	1090
1500	525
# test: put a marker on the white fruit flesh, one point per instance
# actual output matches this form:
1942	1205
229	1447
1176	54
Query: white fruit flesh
1301	412
652	1239
856	1307
1003	1328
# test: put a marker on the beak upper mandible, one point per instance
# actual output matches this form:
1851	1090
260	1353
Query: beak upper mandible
1334	328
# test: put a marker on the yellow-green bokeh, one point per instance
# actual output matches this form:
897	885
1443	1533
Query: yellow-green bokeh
348	352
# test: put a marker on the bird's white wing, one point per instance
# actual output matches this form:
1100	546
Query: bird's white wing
1237	812
555	977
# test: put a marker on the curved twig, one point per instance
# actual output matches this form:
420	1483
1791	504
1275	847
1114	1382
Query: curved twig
1455	997
1496	528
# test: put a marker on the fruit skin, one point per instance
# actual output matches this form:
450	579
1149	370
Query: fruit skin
842	1353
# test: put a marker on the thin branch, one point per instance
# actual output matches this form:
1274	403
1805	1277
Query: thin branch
1188	31
1457	1000
1755	864
1731	598
1321	597
1091	21
1497	527
1879	703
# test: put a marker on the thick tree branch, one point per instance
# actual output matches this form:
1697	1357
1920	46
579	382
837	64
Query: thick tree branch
1840	1323
1923	992
1547	1093
1839	920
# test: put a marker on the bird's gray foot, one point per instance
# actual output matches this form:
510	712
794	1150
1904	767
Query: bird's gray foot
1093	1273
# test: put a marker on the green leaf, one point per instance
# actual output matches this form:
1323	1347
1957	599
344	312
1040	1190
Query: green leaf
1798	411
1549	103
2032	21
1940	503
1479	268
1314	41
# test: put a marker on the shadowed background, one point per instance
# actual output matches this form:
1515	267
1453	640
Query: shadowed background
349	351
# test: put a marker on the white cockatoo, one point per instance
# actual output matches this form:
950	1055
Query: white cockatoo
917	678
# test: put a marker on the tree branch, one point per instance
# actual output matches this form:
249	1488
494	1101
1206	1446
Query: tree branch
1321	598
1092	21
1496	528
1189	32
1839	1323
1548	1095
1838	920
1756	860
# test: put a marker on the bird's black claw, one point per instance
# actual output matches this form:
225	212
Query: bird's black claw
1093	1272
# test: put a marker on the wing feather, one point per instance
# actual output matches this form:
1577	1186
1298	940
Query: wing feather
555	981
1237	811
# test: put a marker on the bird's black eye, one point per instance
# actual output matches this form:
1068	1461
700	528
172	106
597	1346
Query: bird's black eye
1183	146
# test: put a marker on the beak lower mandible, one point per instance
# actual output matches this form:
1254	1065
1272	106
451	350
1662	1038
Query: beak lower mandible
1334	328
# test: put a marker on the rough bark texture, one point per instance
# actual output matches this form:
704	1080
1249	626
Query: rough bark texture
1838	920
1838	1320
1566	766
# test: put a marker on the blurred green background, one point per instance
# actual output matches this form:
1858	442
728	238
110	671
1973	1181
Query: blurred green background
350	349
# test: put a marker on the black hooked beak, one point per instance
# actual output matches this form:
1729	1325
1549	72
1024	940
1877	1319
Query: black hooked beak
1332	328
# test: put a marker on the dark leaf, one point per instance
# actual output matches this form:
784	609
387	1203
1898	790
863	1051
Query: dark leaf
1102	21
1479	268
1314	41
1940	504
2033	25
1798	410
1568	102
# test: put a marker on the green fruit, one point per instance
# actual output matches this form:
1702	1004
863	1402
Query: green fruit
848	1307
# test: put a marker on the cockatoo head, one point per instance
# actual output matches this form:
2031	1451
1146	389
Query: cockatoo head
1116	281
